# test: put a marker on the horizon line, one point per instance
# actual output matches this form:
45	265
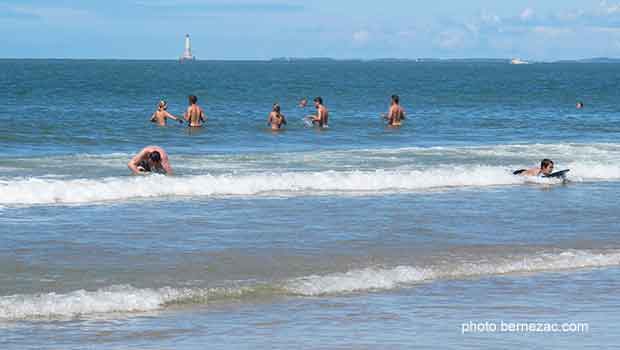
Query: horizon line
316	58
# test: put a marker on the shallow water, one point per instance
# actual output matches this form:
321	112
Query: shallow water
354	237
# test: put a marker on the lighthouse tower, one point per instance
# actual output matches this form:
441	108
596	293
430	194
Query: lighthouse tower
187	54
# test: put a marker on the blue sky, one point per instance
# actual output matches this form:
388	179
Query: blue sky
259	29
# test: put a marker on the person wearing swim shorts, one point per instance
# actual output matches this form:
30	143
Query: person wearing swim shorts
396	114
322	113
195	116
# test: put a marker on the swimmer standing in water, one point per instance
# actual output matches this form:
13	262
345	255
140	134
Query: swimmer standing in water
195	116
546	168
150	159
276	119
322	113
161	114
396	114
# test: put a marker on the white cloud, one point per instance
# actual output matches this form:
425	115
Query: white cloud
551	31
451	39
474	28
53	13
607	30
226	6
361	37
406	34
526	14
610	8
570	16
489	18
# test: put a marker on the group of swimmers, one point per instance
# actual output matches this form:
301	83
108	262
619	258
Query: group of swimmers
276	119
155	159
196	117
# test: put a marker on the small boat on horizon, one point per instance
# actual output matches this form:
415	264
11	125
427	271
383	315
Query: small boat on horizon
518	61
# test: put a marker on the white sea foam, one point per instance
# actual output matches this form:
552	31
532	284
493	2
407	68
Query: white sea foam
128	299
113	299
49	191
577	151
407	169
375	278
594	170
529	153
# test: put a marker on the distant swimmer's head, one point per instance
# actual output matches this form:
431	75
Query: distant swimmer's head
193	99
303	102
580	105
546	166
395	99
162	105
318	101
155	157
276	107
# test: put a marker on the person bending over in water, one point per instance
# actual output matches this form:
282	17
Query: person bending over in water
322	114
396	114
276	119
195	116
150	159
161	114
546	168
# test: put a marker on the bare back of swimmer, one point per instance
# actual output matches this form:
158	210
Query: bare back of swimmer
276	119
396	115
546	168
150	159
161	114
195	116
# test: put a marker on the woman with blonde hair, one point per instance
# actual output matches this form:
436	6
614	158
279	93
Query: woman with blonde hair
276	119
161	114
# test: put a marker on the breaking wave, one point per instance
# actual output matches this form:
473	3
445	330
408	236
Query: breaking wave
50	191
375	278
301	173
128	299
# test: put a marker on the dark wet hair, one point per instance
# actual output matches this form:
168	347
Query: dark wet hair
318	99
545	163
193	99
155	156
276	107
395	98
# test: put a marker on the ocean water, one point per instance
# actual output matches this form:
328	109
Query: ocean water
355	237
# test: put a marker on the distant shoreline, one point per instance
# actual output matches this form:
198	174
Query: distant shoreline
329	59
